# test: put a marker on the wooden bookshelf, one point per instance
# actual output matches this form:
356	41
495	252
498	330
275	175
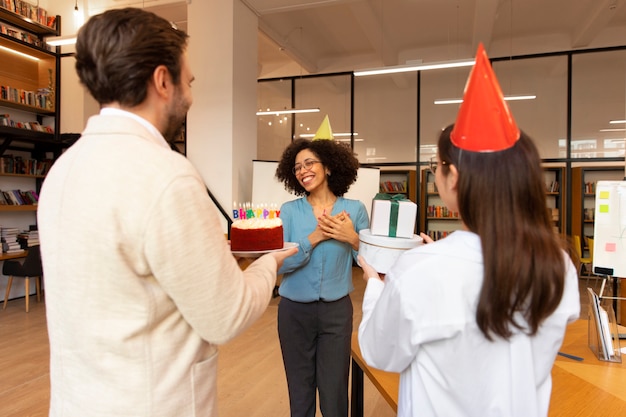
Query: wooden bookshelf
399	182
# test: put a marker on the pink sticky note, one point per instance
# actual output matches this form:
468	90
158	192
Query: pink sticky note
609	247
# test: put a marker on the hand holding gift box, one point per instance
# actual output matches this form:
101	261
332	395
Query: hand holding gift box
393	216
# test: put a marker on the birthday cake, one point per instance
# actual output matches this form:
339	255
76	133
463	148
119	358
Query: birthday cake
256	234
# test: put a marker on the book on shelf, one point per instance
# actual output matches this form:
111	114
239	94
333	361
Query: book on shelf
19	197
10	164
590	187
393	187
552	187
30	11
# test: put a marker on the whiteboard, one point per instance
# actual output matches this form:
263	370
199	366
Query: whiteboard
267	190
609	244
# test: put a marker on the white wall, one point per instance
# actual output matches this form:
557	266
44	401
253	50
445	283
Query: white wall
221	135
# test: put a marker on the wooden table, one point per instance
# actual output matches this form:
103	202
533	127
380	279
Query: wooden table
14	255
579	388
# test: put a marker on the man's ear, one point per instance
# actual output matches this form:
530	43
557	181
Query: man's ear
162	80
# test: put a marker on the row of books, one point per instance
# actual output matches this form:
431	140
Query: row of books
6	121
10	164
18	197
39	98
28	238
13	240
393	187
440	211
22	35
8	236
552	187
31	11
590	188
438	234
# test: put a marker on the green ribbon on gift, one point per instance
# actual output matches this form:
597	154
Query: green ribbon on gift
395	208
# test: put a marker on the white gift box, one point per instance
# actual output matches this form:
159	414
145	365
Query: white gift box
382	223
381	252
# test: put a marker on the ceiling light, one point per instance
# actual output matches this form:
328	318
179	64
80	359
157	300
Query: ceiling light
613	122
613	130
420	67
287	111
508	98
61	40
22	54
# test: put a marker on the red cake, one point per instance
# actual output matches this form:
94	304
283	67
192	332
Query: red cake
256	234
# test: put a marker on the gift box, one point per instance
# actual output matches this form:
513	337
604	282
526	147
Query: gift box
393	216
381	252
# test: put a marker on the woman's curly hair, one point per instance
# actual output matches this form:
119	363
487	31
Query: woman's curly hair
337	158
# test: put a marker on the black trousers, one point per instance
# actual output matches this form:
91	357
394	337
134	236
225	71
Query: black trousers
315	342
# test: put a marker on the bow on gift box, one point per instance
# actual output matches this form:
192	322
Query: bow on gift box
395	208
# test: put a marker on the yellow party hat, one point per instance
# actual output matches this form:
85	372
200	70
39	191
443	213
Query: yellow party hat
324	131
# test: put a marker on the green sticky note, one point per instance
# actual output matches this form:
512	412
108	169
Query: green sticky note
604	195
604	208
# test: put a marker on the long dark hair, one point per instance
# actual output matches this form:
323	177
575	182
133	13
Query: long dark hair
117	52
502	198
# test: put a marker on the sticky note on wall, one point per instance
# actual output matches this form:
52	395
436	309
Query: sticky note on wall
604	208
610	247
604	195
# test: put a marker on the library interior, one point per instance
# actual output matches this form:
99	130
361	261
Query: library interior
267	72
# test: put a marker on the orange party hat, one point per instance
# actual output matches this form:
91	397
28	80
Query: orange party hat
484	122
324	131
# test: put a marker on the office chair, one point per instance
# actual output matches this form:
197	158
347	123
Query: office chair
585	263
591	274
31	268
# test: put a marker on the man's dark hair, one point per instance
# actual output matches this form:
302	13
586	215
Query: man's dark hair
118	51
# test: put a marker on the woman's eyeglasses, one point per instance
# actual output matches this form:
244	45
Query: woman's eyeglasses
434	164
306	164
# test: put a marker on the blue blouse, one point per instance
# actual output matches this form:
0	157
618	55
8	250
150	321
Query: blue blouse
324	272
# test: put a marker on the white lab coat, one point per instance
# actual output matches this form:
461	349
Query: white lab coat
421	323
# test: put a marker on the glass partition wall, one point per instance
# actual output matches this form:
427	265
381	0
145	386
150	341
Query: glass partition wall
573	104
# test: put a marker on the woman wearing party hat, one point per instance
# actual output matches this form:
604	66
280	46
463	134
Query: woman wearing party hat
473	322
315	310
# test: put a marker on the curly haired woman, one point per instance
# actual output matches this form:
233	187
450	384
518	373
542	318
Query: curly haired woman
315	311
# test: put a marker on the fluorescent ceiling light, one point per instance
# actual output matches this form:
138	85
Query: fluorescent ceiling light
508	98
287	111
61	40
613	122
613	130
420	67
22	54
